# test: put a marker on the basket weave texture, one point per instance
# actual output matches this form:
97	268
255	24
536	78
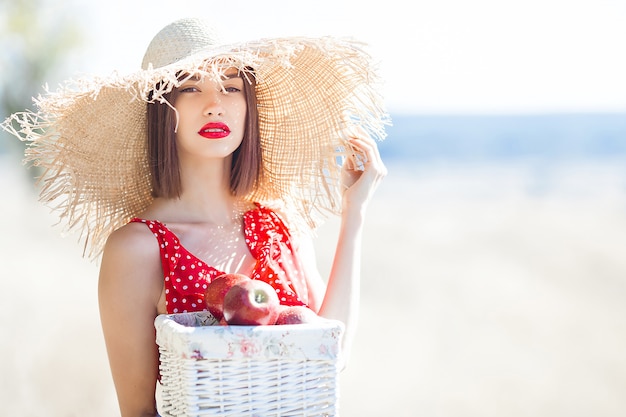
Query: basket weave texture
212	370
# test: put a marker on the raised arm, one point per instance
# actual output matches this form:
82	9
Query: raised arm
361	176
129	290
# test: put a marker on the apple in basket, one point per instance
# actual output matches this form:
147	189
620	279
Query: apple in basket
296	315
250	303
216	291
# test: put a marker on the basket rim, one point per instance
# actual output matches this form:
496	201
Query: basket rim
188	335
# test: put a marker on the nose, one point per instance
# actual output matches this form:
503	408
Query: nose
213	103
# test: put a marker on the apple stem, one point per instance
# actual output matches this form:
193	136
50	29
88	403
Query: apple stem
259	297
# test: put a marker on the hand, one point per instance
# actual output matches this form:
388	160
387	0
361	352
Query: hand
362	171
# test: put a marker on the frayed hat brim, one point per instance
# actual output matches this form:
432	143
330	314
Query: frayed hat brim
90	135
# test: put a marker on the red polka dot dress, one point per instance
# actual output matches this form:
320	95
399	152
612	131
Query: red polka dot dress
268	239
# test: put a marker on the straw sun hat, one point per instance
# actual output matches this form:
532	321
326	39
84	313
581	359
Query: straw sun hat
90	135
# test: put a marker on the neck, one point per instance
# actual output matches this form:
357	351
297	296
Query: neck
206	195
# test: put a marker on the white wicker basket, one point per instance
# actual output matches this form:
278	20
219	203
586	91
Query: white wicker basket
213	370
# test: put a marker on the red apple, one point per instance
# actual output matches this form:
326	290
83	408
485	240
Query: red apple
216	291
296	315
251	303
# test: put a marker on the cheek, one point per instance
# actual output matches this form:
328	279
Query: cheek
240	114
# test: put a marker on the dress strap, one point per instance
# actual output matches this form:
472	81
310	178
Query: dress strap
269	242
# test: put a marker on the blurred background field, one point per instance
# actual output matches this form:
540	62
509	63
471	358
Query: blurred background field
494	275
479	299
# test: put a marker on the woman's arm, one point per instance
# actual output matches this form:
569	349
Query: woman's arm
129	289
361	178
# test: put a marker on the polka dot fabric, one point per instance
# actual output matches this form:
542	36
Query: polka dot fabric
269	242
186	277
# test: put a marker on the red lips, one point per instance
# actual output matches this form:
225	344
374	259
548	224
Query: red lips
214	130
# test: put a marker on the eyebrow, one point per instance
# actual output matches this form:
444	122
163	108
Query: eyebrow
230	76
225	77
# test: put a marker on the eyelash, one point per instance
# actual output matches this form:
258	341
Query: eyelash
192	89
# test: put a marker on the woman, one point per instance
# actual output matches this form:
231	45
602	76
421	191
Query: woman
227	168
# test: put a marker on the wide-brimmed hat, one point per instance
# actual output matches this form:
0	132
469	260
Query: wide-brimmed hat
90	135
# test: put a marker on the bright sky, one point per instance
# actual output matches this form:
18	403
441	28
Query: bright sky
480	56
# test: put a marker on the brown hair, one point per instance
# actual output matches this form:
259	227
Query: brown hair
163	156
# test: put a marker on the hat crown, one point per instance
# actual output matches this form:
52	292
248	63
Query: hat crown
179	40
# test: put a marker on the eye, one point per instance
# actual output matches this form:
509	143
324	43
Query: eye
232	85
188	89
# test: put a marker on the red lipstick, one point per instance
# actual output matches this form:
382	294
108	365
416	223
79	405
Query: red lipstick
214	130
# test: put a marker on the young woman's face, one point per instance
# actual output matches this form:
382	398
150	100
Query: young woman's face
211	115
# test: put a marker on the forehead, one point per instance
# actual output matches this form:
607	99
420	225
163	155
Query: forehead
219	76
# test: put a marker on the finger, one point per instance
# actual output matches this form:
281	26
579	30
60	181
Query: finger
348	162
367	149
372	163
369	146
356	155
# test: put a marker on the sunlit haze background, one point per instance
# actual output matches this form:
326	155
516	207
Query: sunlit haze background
484	56
494	274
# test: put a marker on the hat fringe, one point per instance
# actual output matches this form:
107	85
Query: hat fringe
96	198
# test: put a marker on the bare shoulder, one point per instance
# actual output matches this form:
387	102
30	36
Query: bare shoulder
130	237
131	251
